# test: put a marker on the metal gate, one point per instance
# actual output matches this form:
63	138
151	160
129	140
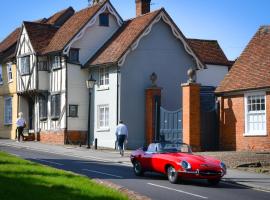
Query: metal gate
170	128
209	119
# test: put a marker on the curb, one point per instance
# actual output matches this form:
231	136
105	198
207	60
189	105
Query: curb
245	185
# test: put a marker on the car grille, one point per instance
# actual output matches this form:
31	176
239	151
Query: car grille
210	173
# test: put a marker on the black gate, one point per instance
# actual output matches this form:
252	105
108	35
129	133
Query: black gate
209	119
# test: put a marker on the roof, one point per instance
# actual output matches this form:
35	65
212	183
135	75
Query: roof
252	69
69	29
54	19
209	52
39	34
10	40
121	41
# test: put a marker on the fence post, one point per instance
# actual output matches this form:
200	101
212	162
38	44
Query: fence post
152	106
191	115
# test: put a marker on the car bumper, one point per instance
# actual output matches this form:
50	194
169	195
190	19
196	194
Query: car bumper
202	174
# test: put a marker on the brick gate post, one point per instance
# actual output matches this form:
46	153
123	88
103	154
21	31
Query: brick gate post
151	96
191	115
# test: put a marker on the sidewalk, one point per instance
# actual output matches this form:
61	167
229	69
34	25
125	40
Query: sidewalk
253	180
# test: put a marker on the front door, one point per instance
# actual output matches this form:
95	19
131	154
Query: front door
31	112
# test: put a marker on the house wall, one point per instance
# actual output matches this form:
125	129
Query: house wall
232	126
8	90
158	52
94	37
212	76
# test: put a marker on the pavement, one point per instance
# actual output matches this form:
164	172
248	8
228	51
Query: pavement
107	165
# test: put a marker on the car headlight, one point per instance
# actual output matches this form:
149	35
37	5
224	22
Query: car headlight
223	166
185	164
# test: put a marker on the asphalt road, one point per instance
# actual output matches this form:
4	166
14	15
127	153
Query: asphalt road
152	185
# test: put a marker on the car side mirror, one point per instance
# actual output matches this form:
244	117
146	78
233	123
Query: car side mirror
144	148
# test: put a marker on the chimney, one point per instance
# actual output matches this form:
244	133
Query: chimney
142	7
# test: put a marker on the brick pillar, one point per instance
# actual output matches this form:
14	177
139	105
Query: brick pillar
151	94
191	115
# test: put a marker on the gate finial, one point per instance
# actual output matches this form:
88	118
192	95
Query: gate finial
153	78
191	74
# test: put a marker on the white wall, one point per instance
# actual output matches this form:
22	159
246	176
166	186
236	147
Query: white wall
212	76
94	37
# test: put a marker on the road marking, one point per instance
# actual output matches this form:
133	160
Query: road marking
102	173
69	155
180	191
51	162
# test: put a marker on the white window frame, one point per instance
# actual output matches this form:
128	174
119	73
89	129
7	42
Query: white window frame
7	121
9	72
247	113
25	65
105	118
104	78
1	74
56	62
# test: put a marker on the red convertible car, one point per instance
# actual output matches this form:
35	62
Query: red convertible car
177	161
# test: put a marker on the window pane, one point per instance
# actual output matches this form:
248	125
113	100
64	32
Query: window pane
104	19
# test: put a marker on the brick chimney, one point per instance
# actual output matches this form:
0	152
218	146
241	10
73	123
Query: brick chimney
142	7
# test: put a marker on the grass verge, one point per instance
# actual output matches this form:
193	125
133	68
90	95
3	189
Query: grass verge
24	180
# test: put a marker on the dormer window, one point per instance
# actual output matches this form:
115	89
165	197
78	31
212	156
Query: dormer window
104	19
74	55
25	65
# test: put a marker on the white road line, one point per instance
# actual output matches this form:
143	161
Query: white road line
180	191
93	158
102	173
51	162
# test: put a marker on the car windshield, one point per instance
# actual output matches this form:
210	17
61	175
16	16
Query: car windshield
169	147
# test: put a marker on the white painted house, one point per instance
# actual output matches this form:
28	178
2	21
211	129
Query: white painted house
54	62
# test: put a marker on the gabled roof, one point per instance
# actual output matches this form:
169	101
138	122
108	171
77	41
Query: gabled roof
252	68
72	26
121	41
118	46
39	34
10	40
57	17
209	52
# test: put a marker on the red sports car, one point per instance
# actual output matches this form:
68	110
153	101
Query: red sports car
177	161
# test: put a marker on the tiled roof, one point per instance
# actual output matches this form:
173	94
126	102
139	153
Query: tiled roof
10	40
252	68
39	34
71	27
115	48
209	52
57	16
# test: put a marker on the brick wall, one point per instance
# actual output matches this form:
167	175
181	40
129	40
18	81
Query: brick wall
232	126
142	7
63	137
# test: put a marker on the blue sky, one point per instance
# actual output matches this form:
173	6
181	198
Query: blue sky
231	22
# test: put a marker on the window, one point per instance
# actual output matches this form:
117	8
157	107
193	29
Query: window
255	116
73	110
25	65
42	108
56	62
104	19
9	72
8	111
74	55
1	76
103	76
55	106
42	66
103	117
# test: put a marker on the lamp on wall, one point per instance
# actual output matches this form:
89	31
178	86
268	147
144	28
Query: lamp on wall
90	85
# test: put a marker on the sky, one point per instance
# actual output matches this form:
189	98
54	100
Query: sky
231	22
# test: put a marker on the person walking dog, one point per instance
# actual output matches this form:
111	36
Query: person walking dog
121	136
21	124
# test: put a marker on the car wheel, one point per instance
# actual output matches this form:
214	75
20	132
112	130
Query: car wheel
214	181
172	175
137	167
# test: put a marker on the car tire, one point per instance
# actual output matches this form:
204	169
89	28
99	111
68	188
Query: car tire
137	168
213	181
172	175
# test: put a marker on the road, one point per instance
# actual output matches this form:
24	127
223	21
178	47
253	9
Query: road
152	185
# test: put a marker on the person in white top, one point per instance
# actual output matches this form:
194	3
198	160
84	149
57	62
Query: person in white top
20	126
121	136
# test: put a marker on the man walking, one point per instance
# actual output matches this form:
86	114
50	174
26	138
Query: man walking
121	136
20	126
